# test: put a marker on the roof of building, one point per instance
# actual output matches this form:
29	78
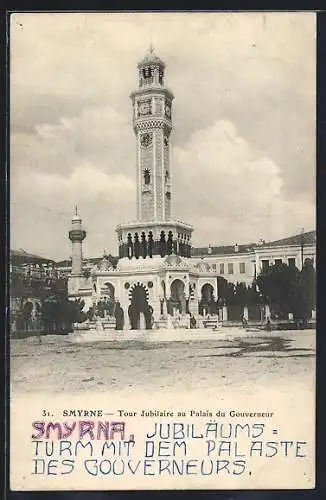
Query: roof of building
151	58
87	261
223	250
21	256
308	238
63	263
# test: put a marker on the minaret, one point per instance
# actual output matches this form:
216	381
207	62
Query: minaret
76	235
152	108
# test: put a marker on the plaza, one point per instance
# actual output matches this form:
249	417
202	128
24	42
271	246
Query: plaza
231	359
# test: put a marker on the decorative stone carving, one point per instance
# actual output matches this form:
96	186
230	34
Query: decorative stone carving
176	261
146	139
94	269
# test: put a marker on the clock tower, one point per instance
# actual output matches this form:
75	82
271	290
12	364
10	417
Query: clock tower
154	233
154	278
152	122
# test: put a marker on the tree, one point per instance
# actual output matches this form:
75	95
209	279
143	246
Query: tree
225	291
253	296
240	297
59	313
278	285
237	295
286	289
23	314
306	300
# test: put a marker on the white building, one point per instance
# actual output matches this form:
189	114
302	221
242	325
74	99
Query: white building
242	263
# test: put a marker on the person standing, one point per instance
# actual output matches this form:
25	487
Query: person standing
119	317
192	322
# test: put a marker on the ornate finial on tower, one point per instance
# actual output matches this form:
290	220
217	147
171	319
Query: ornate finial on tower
75	216
151	59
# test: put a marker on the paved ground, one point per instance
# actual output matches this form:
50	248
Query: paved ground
265	358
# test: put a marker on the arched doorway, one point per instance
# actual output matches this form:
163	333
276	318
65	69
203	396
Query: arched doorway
139	311
177	300
207	303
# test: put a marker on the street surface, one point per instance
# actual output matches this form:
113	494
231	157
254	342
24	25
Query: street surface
238	361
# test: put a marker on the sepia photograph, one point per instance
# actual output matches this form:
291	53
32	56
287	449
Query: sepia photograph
163	245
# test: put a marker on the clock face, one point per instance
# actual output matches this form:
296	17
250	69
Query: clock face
144	108
168	111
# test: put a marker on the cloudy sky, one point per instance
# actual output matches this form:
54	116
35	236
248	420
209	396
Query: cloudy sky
243	156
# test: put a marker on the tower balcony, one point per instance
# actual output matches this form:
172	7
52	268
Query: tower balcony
146	239
150	122
77	235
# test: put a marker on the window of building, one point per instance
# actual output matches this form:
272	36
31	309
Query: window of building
147	176
278	262
214	267
265	264
221	268
291	261
230	268
242	267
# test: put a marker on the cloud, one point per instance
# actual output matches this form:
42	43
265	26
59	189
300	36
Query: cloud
244	117
42	205
90	136
73	161
237	191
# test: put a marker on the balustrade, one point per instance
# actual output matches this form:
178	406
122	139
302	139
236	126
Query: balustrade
146	246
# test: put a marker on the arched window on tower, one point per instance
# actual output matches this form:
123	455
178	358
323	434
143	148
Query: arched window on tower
147	176
148	75
167	176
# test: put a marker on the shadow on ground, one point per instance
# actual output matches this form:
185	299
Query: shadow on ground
261	345
233	348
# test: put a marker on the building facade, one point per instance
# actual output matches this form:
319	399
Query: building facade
242	263
32	280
